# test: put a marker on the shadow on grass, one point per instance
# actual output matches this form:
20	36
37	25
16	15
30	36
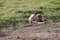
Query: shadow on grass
3	35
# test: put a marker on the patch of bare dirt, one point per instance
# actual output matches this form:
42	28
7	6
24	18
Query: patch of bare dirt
32	33
33	36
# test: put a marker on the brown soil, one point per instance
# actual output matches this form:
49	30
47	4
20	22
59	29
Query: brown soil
32	33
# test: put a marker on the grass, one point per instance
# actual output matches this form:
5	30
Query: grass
9	8
17	10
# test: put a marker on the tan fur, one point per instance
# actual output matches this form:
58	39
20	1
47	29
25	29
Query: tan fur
36	18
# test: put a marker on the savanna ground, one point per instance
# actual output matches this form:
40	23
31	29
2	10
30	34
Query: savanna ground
14	14
49	31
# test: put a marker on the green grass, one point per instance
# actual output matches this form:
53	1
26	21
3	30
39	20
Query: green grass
17	10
